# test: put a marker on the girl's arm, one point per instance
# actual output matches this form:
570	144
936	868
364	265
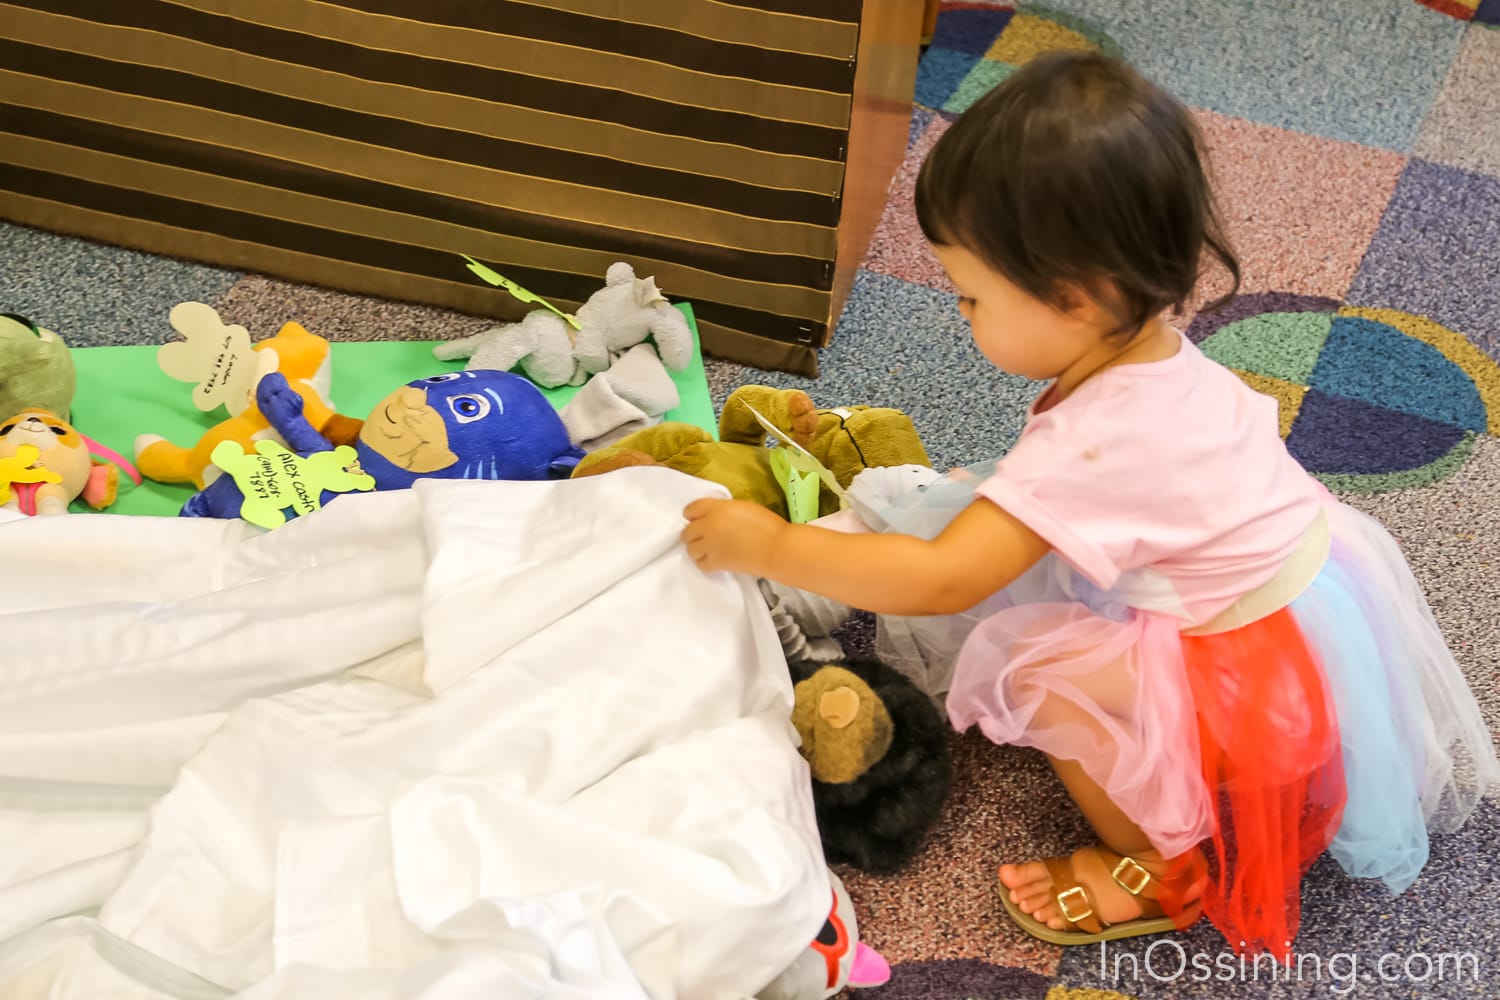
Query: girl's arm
981	551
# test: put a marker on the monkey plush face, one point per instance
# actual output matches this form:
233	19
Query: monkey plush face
844	725
881	765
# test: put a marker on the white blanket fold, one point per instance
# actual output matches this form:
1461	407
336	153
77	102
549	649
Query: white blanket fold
473	739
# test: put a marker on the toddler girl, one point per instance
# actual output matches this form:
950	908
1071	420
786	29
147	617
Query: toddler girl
1230	671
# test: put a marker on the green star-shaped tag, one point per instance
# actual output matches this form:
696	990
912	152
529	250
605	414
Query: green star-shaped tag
273	479
799	481
799	473
500	281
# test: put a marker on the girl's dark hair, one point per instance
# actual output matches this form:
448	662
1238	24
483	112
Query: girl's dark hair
1076	170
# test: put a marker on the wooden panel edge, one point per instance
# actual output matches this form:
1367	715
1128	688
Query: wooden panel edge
884	82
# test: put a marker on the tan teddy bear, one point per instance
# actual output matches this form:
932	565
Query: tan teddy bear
847	440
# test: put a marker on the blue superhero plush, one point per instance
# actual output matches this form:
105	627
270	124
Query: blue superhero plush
460	425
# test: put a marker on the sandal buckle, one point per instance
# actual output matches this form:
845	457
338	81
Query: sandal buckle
1131	868
1063	900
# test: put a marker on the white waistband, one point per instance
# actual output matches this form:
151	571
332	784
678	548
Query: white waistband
1295	576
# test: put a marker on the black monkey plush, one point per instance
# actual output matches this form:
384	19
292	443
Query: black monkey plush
878	750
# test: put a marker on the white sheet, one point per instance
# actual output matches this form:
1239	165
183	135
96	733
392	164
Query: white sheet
474	739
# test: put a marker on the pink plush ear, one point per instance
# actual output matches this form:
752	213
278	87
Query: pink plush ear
104	483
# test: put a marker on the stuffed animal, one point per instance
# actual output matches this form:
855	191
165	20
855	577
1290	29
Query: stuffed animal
45	464
300	356
847	440
879	756
458	425
619	316
836	959
36	369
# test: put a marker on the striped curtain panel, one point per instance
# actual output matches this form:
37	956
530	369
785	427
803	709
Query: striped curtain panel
364	144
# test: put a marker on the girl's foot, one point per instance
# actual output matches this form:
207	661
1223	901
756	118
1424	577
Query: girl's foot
1096	888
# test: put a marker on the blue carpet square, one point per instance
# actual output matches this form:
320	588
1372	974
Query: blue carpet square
1372	362
1488	13
1363	71
897	340
941	73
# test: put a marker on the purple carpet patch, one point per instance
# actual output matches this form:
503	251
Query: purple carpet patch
971	29
1341	436
958	979
1442	223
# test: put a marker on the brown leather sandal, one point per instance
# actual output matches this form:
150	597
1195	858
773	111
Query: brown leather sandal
1080	912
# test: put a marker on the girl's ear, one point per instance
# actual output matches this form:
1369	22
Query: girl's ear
1074	301
1086	305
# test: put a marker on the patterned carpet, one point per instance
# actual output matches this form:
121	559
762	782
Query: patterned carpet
1357	148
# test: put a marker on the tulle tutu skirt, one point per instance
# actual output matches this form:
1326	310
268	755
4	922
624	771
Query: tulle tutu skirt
1340	723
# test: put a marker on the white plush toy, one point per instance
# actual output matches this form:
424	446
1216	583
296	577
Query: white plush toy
541	344
836	959
616	318
625	379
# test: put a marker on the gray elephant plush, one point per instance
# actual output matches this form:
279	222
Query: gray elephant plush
615	319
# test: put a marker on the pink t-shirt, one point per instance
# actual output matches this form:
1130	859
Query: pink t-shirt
1166	480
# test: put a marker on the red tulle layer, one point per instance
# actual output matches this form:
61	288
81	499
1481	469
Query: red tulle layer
1269	745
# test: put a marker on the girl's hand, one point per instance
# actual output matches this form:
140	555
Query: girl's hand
732	535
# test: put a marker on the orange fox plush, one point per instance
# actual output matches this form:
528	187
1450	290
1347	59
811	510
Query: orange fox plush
303	358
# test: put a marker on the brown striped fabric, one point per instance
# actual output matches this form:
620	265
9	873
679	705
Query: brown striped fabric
364	144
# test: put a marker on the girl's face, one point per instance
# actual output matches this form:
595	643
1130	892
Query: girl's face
1016	331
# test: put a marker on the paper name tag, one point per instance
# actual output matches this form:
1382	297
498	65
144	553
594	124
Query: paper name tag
500	281
215	356
799	473
273	479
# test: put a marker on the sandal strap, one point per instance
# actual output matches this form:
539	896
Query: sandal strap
1130	875
1074	900
1079	909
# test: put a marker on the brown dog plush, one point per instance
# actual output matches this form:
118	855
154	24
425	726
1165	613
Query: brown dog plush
847	440
62	466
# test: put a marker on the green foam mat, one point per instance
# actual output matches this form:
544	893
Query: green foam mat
123	393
